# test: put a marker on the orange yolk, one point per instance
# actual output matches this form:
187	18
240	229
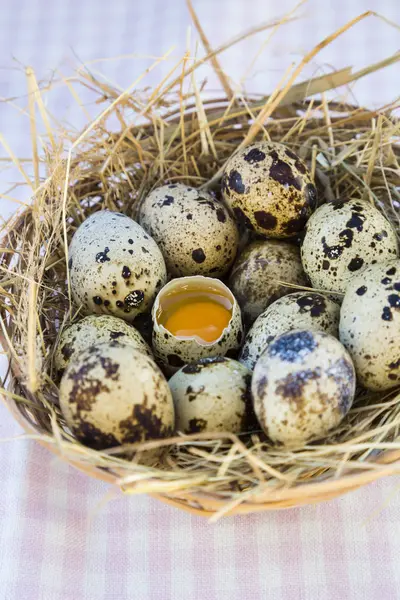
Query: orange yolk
202	315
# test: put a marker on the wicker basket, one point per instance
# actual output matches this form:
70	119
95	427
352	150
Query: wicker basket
206	475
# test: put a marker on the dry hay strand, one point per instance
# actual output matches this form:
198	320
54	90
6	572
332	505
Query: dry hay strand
169	134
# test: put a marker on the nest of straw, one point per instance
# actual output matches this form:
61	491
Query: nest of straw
181	137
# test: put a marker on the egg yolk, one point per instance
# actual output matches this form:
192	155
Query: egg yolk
197	315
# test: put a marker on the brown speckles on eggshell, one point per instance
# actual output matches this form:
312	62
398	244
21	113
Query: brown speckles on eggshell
96	278
292	385
174	360
91	330
67	349
196	425
134	298
93	437
189	230
265	179
370	328
282	172
98	404
212	397
254	155
297	401
126	272
257	273
102	257
338	242
308	310
355	264
265	220
198	255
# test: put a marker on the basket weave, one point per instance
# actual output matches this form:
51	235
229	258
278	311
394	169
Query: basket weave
211	505
32	304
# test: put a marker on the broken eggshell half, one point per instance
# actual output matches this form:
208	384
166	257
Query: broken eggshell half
174	351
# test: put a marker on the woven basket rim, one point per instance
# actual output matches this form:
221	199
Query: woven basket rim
206	504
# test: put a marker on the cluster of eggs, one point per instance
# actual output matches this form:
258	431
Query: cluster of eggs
231	337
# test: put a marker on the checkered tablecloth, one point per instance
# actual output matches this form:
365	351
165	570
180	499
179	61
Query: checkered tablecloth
61	535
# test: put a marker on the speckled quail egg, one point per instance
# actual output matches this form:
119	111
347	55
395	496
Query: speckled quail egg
114	394
195	317
303	385
95	329
305	310
370	325
211	395
257	273
341	238
269	189
195	232
115	266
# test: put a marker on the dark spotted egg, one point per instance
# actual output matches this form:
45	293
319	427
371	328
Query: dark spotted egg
269	189
302	386
342	237
195	232
115	266
95	329
259	275
370	325
113	394
211	395
306	310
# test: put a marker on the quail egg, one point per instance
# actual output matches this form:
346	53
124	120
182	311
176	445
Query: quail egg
257	274
370	325
195	317
195	232
211	395
303	385
95	329
300	310
114	394
269	189
115	266
341	238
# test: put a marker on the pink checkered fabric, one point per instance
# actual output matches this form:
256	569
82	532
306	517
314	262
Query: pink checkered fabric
61	537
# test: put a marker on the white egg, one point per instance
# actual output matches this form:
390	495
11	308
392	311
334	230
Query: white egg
115	266
302	386
302	310
95	329
211	395
114	394
370	325
342	237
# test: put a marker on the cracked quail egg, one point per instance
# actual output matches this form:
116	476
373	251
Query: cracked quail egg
257	273
115	266
303	385
195	232
269	189
114	394
211	395
341	238
305	310
370	325
95	329
195	317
